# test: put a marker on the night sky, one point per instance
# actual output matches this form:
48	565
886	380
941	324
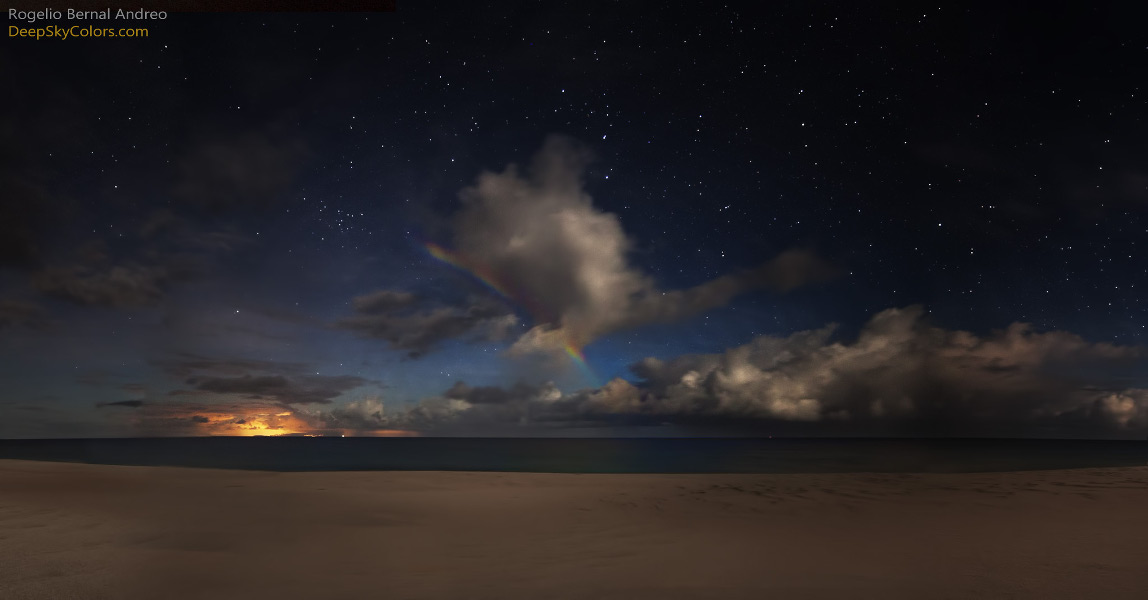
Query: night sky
597	219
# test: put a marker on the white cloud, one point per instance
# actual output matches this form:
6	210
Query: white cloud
901	374
568	261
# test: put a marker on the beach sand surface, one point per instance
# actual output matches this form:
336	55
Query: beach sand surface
121	532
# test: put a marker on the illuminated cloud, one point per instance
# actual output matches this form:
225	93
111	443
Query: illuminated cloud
901	375
217	418
537	236
197	413
245	397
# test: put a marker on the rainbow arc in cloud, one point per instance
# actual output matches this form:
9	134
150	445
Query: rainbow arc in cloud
492	281
480	272
579	359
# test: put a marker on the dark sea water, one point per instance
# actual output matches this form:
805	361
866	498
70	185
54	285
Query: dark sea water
662	455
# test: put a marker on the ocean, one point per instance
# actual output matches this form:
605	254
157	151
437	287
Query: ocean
623	455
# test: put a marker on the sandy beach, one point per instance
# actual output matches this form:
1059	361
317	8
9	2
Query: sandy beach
92	531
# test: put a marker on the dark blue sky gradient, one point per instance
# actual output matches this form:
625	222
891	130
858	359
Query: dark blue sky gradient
987	163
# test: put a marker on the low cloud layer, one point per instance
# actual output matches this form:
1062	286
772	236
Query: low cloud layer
210	416
901	376
235	397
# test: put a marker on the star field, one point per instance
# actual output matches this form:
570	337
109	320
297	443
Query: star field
231	186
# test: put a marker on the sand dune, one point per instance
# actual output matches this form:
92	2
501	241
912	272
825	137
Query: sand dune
89	531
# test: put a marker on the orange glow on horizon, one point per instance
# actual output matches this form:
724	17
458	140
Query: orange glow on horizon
245	420
232	422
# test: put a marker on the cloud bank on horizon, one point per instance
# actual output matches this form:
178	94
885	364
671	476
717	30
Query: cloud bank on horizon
901	375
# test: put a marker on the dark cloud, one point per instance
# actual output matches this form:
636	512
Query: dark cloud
186	365
36	209
786	272
35	127
159	221
1120	188
163	226
237	397
243	397
541	236
251	169
382	301
285	315
140	274
211	242
19	313
247	384
120	286
1133	185
901	376
1120	184
400	320
299	389
96	277
22	216
122	403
